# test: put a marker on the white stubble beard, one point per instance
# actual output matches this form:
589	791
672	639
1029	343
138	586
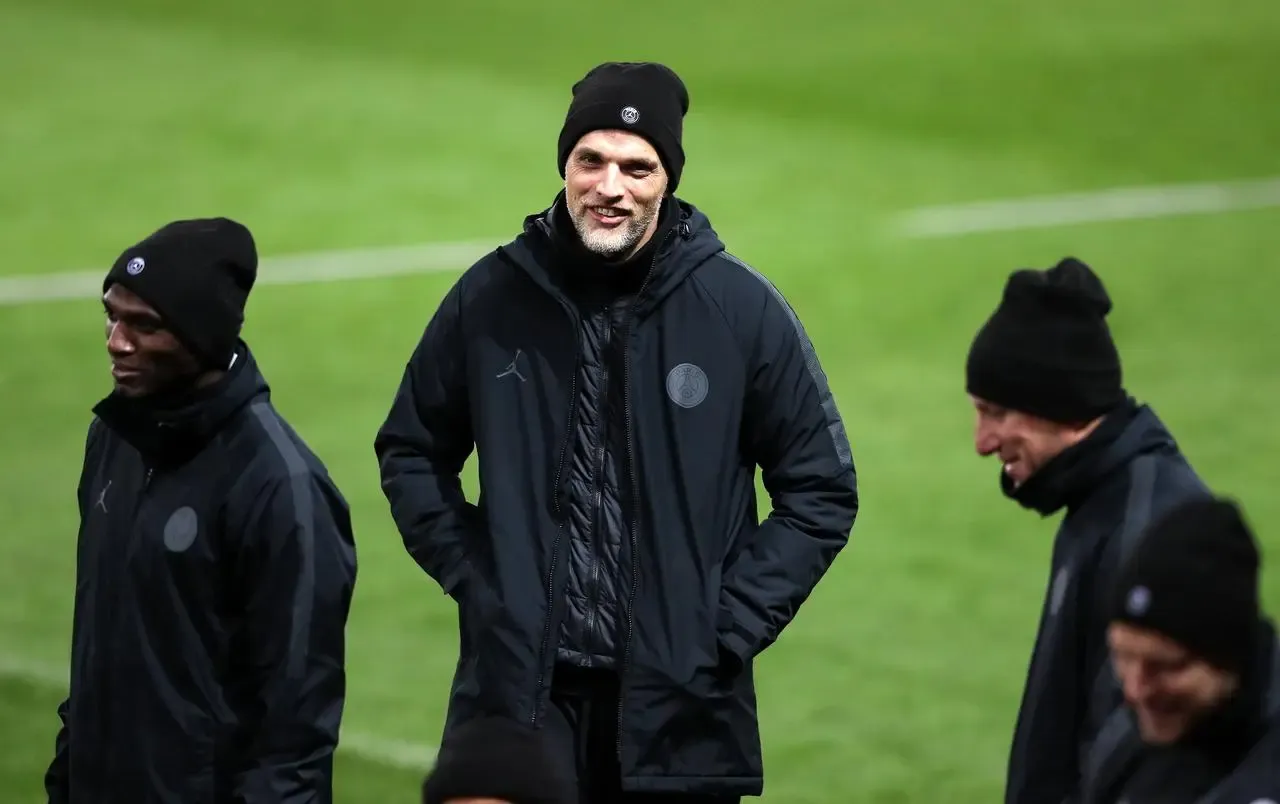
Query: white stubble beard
611	243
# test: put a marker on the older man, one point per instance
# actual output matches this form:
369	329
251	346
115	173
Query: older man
621	377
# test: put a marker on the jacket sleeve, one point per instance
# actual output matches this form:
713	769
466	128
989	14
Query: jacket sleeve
796	436
56	781
296	573
424	443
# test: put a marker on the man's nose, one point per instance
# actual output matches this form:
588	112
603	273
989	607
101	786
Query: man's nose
118	340
610	184
985	441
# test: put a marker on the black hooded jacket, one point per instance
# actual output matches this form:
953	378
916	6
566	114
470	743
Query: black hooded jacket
1231	756
1113	484
712	376
215	568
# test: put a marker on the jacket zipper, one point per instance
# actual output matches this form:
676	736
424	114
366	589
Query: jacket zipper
121	584
137	502
598	478
635	480
559	512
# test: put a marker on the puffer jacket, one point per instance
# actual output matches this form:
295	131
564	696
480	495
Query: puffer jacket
596	524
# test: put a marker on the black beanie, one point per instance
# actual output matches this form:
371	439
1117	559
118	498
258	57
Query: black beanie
1047	350
494	757
1194	578
643	97
197	274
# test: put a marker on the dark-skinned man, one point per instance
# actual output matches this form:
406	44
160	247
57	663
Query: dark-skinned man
215	559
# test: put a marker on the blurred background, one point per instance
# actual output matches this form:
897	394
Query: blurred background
391	142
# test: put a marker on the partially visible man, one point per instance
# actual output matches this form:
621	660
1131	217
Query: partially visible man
496	760
1197	660
621	377
1045	378
215	563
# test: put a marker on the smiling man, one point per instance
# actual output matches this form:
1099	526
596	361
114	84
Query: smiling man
1044	376
1197	659
215	559
621	378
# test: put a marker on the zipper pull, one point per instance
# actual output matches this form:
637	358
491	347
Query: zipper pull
146	481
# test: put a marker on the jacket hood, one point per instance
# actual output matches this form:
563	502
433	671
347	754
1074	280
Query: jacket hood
172	428
688	244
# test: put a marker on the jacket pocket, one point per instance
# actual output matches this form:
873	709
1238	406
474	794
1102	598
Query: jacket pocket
481	630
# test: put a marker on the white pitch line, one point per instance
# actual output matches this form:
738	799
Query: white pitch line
1044	211
324	266
381	751
1118	203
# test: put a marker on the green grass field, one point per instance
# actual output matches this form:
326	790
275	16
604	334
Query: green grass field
329	125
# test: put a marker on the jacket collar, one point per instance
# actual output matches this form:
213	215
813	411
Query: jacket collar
172	428
685	240
1071	476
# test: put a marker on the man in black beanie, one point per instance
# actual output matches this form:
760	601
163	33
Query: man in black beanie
195	276
215	561
1197	661
620	155
1045	378
495	760
622	378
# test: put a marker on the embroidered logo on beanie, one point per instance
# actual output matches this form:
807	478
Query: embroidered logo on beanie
1139	601
630	115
